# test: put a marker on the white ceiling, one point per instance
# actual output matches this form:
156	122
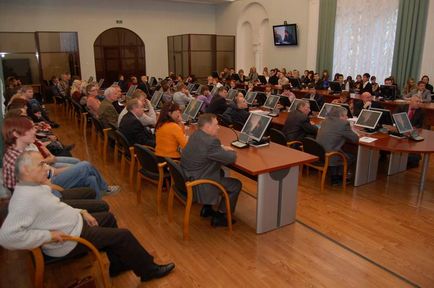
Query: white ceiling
209	2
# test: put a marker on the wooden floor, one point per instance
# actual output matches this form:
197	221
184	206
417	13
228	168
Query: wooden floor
370	236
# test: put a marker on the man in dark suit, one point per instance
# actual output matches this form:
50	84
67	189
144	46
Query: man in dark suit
334	132
218	103
203	158
297	125
131	126
366	85
237	112
365	102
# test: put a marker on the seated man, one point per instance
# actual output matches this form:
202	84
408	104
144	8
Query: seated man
131	126
421	91
334	132
37	217
218	103
106	111
365	102
297	125
237	113
314	96
202	158
148	118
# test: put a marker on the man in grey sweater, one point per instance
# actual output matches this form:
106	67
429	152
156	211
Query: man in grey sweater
37	218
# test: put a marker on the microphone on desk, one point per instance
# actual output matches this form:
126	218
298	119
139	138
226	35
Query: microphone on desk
235	132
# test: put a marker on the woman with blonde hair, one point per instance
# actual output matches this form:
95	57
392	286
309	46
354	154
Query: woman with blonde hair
76	90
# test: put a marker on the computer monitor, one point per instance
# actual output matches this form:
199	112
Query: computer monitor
190	87
101	81
368	119
152	81
250	97
386	116
402	122
271	102
156	98
190	112
236	77
346	106
262	79
314	105
295	83
294	104
388	92
255	126
131	90
335	86
214	90
231	94
196	88
90	80
326	109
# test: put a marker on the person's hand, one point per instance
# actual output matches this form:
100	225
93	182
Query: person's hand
367	104
56	236
90	220
227	148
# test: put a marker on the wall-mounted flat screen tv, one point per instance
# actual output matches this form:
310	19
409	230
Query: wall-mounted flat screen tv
285	35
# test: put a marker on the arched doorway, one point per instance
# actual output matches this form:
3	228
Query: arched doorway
119	51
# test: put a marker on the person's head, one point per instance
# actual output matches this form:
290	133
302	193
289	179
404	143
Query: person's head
18	103
169	113
306	72
54	80
144	78
27	92
135	106
64	77
14	113
345	95
366	77
208	123
341	78
366	97
268	88
359	78
12	81
296	73
133	80
31	167
139	94
241	72
222	92
349	79
335	78
373	79
415	102
210	79
286	88
182	88
19	130
204	90
411	82
325	74
388	81
92	90
121	77
111	94
339	112
241	101
421	86
303	107
281	75
265	70
316	76
425	79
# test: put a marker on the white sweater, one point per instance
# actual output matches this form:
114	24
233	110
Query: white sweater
33	212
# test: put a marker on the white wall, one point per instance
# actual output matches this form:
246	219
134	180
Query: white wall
153	21
427	67
230	16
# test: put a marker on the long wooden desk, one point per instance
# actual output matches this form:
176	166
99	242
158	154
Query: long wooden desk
276	169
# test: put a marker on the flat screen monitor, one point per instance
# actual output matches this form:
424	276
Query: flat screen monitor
402	122
368	119
190	87
101	81
196	88
271	102
262	79
131	90
192	109
335	86
386	116
214	90
294	104
152	81
285	35
255	126
314	105
326	109
231	94
250	97
388	92
156	98
90	80
295	83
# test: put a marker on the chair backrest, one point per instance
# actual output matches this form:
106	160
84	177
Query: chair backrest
277	136
113	127
98	125
147	158
123	142
178	177
311	146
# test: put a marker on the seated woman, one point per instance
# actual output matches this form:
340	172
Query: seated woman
92	102
76	90
169	132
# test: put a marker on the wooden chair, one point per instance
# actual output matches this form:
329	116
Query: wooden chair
183	190
127	152
278	137
150	169
311	146
101	133
39	261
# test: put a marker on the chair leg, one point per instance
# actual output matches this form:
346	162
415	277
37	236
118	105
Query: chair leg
186	225
170	204
39	268
139	188
159	192
99	145
115	157
105	148
228	213
344	176
132	165
122	165
323	177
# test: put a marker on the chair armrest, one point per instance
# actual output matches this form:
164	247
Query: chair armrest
328	155
290	143
56	187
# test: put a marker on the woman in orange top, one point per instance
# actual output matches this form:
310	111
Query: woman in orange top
169	132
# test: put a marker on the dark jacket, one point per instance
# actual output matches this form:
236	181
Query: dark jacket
367	88
218	105
235	115
418	116
135	132
297	126
358	106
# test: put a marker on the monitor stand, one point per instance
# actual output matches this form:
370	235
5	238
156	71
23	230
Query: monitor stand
370	131
261	143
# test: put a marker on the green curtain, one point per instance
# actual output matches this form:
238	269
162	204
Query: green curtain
326	35
409	40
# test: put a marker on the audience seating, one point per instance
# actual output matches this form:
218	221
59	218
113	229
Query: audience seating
183	190
126	150
150	169
100	133
40	261
311	146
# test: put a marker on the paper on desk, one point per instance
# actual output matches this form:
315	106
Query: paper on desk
259	111
367	139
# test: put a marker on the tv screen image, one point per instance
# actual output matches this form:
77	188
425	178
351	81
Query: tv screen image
368	119
285	35
255	126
